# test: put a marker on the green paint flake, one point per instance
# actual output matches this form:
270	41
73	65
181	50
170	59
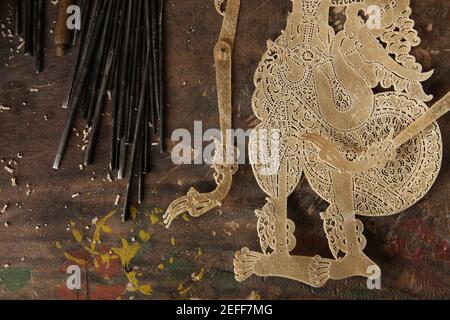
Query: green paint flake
225	281
180	268
14	279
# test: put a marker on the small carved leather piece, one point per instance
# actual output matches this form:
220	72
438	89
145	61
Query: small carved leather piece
225	164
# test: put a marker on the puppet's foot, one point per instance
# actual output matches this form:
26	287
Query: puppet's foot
245	263
248	263
322	270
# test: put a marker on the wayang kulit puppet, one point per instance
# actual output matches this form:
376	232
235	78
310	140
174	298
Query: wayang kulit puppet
351	115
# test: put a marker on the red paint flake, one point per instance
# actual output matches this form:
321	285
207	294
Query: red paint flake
108	271
105	292
65	294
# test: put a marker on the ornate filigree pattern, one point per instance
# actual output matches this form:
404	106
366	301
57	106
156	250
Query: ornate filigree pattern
395	186
267	221
333	225
365	152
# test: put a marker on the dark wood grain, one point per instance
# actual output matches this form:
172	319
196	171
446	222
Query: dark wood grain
411	248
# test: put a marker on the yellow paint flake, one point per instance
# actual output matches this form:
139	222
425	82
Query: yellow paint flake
77	235
145	236
182	290
153	215
106	229
132	281
198	276
91	251
158	211
254	295
161	266
106	259
58	245
185	217
171	260
100	226
76	260
126	253
172	241
134	213
145	289
96	264
154	219
199	253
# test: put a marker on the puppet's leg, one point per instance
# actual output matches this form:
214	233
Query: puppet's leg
355	262
276	234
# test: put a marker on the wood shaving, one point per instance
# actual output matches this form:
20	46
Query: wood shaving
117	202
4	108
9	169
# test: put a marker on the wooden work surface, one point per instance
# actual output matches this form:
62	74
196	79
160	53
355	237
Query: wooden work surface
193	259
